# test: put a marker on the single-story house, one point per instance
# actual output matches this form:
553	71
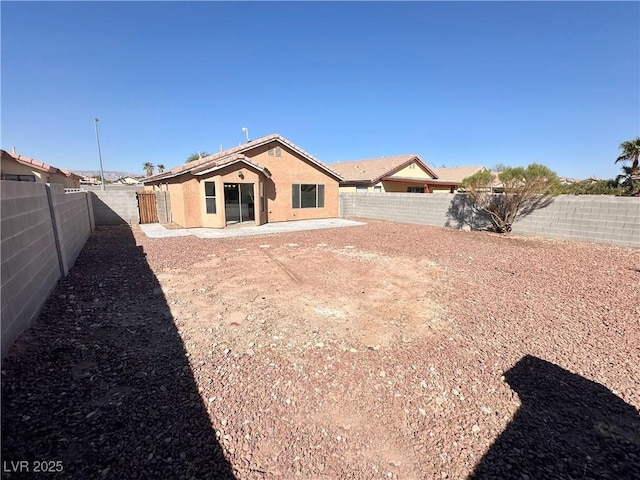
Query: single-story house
265	180
458	174
128	181
90	181
16	167
400	173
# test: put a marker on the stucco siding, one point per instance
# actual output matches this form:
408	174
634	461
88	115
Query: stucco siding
12	167
398	187
192	202
284	169
413	170
289	169
177	202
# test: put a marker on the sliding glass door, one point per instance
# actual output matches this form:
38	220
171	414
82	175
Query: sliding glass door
239	203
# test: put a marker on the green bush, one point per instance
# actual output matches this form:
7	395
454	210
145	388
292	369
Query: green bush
593	187
522	191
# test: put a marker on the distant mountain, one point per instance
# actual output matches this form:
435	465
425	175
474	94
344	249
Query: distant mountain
108	174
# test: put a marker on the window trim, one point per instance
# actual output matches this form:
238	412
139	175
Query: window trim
296	195
262	198
208	197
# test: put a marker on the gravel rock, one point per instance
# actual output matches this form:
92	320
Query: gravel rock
417	352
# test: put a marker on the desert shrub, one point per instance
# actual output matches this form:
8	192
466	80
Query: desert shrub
521	191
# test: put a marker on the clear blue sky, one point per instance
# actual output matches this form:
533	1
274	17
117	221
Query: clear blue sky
457	83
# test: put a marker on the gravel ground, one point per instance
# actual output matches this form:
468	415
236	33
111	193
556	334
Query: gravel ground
381	351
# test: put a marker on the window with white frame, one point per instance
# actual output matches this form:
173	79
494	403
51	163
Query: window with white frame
307	195
275	152
377	188
361	188
210	196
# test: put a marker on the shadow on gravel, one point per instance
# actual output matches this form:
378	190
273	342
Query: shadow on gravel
567	427
101	383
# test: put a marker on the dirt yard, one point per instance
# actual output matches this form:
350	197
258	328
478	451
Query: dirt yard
382	351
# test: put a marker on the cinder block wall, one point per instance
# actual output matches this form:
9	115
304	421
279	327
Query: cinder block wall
30	267
43	231
590	218
115	205
163	203
399	207
73	222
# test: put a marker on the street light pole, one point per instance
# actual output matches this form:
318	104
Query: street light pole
99	153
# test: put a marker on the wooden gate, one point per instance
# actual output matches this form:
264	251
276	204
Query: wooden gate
147	206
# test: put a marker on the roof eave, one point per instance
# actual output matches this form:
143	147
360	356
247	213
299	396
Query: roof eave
355	182
248	163
241	149
405	164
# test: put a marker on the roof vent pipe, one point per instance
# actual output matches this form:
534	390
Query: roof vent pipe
13	149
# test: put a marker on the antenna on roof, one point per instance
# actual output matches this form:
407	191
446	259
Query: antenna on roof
246	132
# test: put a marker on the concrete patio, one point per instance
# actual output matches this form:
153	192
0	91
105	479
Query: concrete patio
156	230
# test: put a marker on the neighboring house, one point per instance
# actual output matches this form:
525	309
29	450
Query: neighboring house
127	181
571	181
458	174
90	181
401	173
264	180
19	168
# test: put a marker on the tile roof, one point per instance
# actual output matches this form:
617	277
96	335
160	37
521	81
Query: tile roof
457	174
371	170
37	165
30	162
211	161
69	173
209	167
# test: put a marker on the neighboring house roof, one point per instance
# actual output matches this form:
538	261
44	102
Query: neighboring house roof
372	170
457	174
227	161
29	162
234	155
127	181
70	174
37	165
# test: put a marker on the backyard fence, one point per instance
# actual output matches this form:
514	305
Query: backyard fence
118	204
588	218
43	232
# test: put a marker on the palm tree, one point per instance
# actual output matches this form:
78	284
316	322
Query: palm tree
630	178
630	153
160	168
197	156
148	166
